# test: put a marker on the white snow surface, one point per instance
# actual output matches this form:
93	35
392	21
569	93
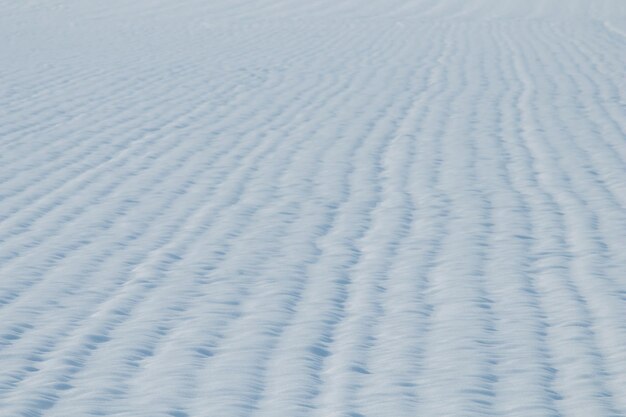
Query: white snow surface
329	208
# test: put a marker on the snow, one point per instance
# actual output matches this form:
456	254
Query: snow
280	208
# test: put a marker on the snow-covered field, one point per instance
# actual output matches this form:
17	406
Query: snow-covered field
329	208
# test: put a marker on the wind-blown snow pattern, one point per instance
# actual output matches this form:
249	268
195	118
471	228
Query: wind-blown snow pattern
282	208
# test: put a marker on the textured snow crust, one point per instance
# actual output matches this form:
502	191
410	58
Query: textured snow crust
281	208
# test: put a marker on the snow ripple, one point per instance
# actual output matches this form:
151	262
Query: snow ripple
312	209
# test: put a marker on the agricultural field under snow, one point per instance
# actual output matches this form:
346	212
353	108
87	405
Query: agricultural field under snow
324	208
